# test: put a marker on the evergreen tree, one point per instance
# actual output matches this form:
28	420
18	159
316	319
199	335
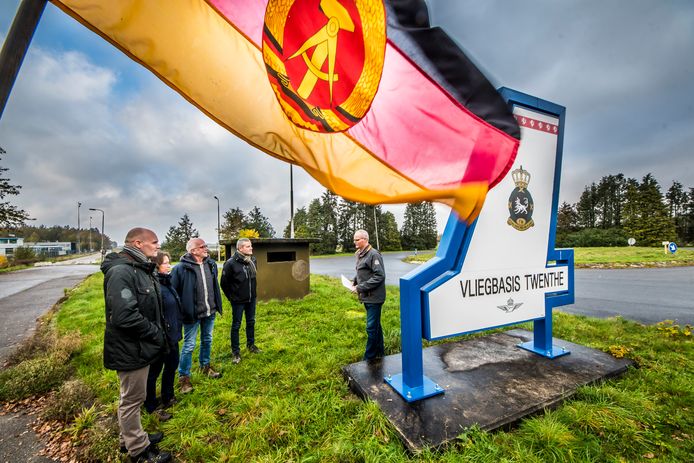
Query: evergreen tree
419	226
232	223
178	236
567	222
586	207
647	218
677	202
10	216
300	227
608	198
257	221
347	224
388	230
689	218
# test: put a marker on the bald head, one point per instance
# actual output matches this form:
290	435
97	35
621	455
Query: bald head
143	239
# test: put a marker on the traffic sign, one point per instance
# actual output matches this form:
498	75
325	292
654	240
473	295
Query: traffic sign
672	247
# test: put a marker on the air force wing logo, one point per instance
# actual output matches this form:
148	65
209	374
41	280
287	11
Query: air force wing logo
324	59
510	306
520	203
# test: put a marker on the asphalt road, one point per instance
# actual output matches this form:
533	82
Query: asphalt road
645	295
27	294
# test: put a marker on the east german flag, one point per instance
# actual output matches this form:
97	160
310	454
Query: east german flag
429	127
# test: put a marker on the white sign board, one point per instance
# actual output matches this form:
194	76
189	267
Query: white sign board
505	274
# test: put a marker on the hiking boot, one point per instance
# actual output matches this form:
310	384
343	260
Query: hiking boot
236	358
154	439
169	403
209	372
162	414
184	383
151	455
253	349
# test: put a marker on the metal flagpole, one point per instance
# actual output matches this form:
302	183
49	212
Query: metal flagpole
291	201
16	45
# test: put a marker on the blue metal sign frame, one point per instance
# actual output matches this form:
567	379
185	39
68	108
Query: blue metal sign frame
412	384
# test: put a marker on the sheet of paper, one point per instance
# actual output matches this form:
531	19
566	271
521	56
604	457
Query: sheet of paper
346	283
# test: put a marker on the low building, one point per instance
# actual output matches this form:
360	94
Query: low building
283	266
9	244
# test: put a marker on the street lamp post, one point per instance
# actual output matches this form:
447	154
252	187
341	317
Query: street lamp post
103	251
219	250
90	233
79	204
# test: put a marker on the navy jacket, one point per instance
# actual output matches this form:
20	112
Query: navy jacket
172	309
184	280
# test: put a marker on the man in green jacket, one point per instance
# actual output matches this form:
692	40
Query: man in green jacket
134	336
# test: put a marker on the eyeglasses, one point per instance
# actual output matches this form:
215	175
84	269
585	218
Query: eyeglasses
204	246
356	240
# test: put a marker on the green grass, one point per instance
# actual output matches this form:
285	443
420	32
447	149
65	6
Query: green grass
617	257
626	256
291	403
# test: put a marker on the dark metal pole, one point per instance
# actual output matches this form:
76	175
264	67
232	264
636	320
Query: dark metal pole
219	225
291	201
103	251
16	45
79	204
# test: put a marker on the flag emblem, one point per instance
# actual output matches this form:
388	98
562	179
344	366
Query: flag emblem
324	59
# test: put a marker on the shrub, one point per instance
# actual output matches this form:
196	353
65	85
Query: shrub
35	376
3	262
593	237
69	401
99	442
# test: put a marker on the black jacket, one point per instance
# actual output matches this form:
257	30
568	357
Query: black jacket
239	279
184	280
371	276
134	337
172	309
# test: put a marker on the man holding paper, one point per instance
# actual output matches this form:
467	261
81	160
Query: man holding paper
370	285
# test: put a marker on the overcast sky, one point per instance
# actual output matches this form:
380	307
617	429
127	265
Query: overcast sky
84	123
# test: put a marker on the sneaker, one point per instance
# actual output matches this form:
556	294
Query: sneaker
209	372
253	349
184	383
162	414
151	455
154	439
236	358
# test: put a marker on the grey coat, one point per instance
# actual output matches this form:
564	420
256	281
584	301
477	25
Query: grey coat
371	277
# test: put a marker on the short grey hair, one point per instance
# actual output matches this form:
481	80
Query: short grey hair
191	244
362	234
240	242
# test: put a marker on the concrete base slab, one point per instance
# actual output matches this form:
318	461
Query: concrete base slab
488	381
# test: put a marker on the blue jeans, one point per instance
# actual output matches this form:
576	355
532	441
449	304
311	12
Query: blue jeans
374	331
190	333
238	310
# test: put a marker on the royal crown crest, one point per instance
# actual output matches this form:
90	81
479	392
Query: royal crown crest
521	178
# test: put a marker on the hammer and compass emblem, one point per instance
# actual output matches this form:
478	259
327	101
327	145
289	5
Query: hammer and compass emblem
324	59
325	43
